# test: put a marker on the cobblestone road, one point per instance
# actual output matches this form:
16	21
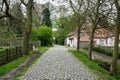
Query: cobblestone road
58	64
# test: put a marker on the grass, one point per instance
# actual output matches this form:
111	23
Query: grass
2	49
14	64
24	70
101	73
42	50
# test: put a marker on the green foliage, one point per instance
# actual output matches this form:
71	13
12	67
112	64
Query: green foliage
46	17
66	25
2	49
102	50
10	27
42	33
34	35
100	72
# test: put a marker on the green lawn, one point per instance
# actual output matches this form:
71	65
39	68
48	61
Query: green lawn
101	73
42	49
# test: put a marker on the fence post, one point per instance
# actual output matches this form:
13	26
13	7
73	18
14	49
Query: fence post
20	51
7	55
16	49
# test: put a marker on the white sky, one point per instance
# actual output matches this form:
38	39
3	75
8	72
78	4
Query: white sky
56	5
41	1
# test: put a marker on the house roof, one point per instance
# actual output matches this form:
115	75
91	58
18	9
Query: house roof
71	33
99	33
85	38
103	33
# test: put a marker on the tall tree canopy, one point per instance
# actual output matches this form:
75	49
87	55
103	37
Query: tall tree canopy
5	8
42	33
46	17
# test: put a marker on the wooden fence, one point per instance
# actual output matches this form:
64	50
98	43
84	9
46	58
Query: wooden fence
10	55
14	43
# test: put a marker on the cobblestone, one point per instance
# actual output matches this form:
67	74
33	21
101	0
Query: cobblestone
58	64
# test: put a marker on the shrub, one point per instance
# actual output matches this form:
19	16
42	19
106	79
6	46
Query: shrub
42	33
103	51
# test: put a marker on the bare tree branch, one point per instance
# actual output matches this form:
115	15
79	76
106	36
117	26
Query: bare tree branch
22	1
71	4
3	16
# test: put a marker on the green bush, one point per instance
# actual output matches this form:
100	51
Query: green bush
42	33
102	63
2	49
103	51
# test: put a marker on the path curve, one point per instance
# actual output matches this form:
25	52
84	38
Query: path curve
58	64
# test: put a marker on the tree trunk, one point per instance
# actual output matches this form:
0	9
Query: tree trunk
25	47
28	28
91	44
113	68
78	39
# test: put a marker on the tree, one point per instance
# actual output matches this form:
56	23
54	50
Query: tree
97	12
45	35
17	12
25	28
65	25
80	10
34	34
113	68
36	15
46	17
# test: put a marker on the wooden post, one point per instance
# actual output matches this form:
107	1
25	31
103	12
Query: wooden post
20	51
16	52
7	55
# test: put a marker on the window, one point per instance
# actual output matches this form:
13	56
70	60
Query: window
101	42
111	42
71	41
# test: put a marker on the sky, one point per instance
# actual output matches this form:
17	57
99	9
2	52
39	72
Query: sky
58	8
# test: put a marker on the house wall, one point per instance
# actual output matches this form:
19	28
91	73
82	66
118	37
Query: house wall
71	42
111	41
105	42
67	42
101	42
75	43
84	43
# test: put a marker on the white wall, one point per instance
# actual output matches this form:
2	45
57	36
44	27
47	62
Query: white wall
101	42
71	42
111	41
